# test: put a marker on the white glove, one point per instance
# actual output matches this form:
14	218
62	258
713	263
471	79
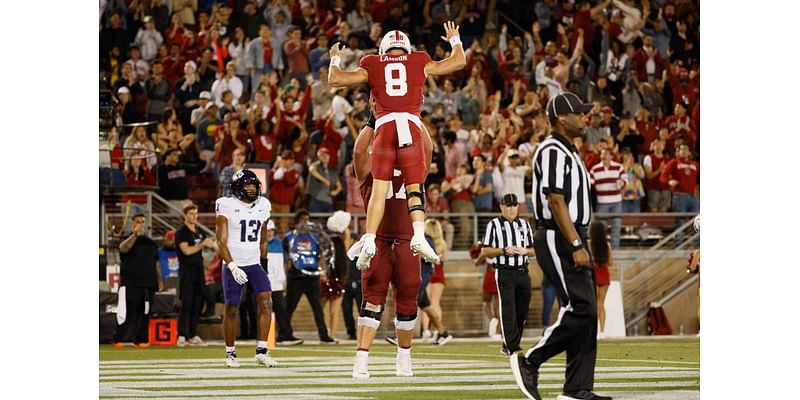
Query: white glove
355	249
368	251
238	275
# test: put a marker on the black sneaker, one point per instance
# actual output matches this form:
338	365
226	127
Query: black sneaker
392	339
328	340
526	376
292	341
351	337
442	339
582	395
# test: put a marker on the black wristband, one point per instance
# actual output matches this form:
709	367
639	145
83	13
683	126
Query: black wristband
504	251
264	263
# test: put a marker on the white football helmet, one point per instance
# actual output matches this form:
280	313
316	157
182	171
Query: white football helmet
394	40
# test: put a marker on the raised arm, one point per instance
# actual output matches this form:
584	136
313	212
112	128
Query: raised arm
361	157
456	60
578	51
339	78
595	11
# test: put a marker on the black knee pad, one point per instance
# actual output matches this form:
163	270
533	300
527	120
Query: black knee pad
418	207
405	322
368	310
369	316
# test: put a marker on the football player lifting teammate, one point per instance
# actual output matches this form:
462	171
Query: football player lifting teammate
395	262
241	229
396	77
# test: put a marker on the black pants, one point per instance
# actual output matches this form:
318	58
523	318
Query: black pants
309	286
352	293
514	292
212	294
136	321
191	294
281	316
575	330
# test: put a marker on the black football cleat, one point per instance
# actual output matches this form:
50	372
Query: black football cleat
526	376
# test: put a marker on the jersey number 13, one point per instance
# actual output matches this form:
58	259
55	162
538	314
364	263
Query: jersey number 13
249	234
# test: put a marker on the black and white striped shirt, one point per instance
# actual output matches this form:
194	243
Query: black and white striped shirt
558	168
501	233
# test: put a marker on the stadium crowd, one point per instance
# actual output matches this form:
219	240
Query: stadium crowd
230	82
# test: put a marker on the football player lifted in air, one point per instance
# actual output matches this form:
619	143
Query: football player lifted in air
241	229
396	77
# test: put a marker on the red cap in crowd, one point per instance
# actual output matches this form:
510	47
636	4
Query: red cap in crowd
170	235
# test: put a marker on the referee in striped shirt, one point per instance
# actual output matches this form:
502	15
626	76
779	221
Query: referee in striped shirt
508	244
562	213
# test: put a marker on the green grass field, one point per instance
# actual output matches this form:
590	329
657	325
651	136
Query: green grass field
639	369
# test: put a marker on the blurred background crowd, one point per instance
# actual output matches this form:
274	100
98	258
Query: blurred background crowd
199	88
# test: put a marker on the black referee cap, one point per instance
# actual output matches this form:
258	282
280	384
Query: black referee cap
566	103
509	199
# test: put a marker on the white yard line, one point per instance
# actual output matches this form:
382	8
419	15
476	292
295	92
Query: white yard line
268	378
402	388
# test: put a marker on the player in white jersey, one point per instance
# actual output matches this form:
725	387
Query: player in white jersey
241	229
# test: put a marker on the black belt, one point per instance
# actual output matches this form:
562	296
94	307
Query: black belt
511	268
581	229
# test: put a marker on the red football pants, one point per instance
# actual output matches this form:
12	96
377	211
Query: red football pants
393	263
388	155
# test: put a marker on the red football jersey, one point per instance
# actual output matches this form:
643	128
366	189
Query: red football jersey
396	223
396	81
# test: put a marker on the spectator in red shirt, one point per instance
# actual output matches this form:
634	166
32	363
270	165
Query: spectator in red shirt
682	175
684	85
264	141
230	136
286	113
380	9
328	138
680	125
283	183
173	64
175	34
583	20
297	54
647	128
648	61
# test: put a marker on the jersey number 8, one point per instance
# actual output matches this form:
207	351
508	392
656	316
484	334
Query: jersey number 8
395	86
